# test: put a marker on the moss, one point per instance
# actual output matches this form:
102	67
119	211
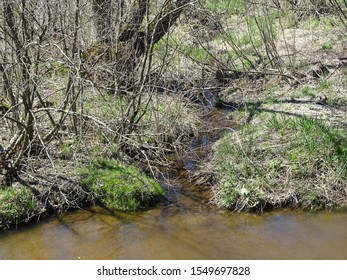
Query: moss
17	204
120	187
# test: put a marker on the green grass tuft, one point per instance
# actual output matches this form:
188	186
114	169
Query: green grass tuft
16	205
230	6
119	187
328	46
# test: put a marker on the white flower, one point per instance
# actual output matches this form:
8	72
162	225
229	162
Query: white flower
244	191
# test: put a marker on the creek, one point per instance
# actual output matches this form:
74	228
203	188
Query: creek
182	230
183	227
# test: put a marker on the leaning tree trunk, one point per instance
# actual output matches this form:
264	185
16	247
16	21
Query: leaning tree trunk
121	58
123	23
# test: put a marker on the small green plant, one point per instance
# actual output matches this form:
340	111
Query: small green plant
328	46
119	187
65	151
16	205
307	91
325	22
312	23
162	44
270	100
272	89
196	53
324	84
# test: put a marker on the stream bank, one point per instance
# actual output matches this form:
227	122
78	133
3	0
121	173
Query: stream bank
246	155
186	225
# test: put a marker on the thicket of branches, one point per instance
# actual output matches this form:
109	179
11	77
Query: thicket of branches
109	46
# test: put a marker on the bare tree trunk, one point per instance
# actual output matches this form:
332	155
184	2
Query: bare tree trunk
165	19
133	30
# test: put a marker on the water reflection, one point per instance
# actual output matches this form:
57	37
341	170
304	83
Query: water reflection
170	232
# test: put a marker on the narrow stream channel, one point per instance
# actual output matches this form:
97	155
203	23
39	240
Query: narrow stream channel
185	227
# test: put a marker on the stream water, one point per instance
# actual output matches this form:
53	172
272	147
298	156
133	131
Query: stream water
183	230
184	227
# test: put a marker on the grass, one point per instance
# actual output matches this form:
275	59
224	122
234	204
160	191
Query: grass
326	23
119	187
196	53
244	40
328	46
324	84
65	150
312	23
17	204
283	162
231	6
306	91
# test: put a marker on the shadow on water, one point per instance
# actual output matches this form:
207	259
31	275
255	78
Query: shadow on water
174	232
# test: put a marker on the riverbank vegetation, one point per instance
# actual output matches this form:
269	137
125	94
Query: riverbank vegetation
17	205
97	97
280	161
118	187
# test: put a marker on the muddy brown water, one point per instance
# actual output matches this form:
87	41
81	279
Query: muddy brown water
183	227
181	232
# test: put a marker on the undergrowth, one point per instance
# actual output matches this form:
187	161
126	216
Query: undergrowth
283	162
17	204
